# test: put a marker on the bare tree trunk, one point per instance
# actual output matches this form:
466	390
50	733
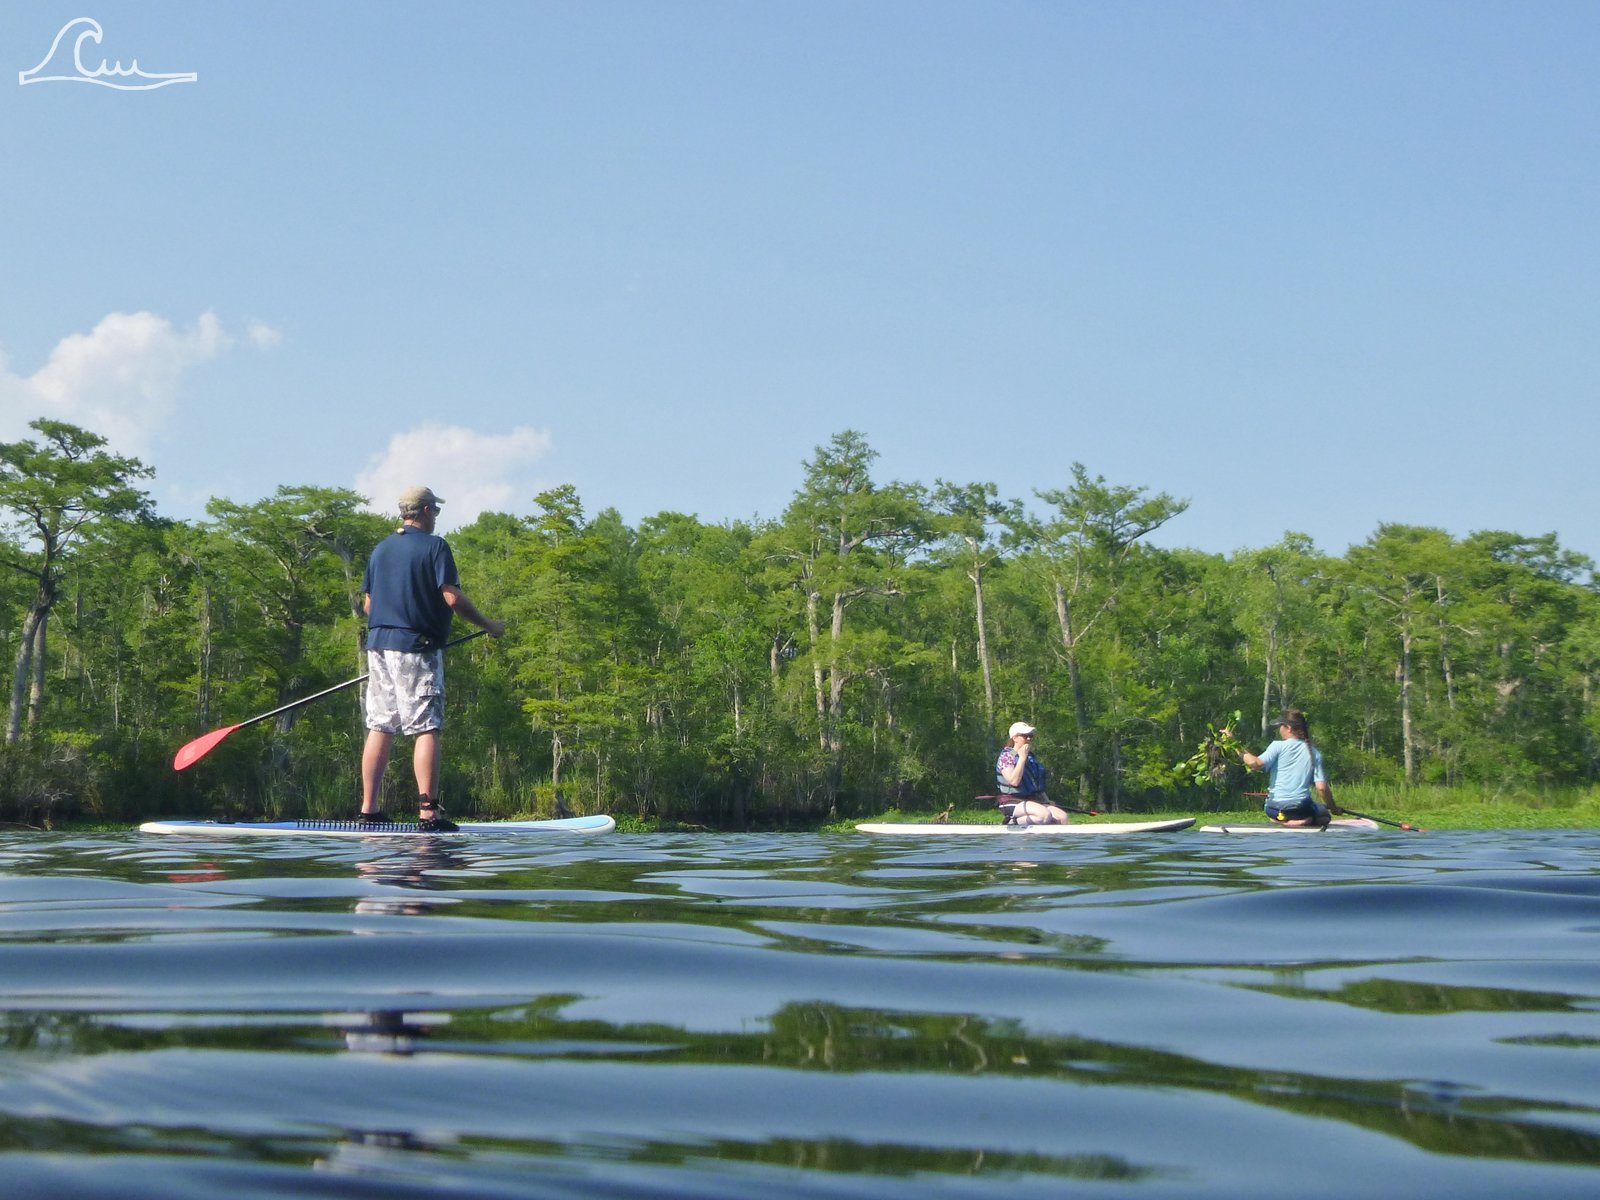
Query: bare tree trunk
1272	662
36	690
955	687
1079	700
1116	772
21	673
833	735
1407	734
81	676
816	668
983	652
836	676
1272	653
1444	653
203	699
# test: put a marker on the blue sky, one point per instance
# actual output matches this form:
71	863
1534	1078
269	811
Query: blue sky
1311	266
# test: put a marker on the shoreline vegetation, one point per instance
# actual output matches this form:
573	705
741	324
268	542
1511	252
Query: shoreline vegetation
859	654
1434	809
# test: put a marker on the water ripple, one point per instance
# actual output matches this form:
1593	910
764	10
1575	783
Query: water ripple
801	1015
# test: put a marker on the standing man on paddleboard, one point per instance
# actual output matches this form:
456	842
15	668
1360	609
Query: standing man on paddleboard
1294	768
1021	778
410	593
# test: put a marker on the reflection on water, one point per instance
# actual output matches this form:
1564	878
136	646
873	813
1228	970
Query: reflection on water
800	1015
382	1032
414	869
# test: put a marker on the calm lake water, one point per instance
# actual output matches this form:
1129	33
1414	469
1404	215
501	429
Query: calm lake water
1171	1015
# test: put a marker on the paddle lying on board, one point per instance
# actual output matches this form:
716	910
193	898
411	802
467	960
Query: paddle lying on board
203	745
1088	812
1350	812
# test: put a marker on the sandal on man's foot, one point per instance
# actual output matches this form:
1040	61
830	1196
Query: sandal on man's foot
438	822
373	818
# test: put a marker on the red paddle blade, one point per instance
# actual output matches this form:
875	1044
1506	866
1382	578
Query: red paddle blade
199	748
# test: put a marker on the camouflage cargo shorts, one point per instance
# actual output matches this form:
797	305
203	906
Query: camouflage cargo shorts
405	691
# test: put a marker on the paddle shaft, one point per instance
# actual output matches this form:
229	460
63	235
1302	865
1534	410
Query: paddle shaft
1350	812
202	746
339	687
1088	812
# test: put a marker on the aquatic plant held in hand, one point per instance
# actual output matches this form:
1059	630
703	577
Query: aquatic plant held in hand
1218	750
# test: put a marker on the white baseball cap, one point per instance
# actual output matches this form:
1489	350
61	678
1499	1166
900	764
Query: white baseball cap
1019	727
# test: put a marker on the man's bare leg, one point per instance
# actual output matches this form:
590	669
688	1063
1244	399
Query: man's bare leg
374	758
425	764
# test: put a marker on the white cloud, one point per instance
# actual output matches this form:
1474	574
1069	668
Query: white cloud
474	472
121	380
263	336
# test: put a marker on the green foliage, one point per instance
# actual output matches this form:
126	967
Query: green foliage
1218	750
861	652
56	495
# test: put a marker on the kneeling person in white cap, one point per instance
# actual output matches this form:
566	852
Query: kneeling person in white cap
1021	778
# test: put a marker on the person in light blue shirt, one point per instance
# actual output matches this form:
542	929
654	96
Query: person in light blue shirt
1294	771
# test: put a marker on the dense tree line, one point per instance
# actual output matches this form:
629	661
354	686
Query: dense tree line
864	649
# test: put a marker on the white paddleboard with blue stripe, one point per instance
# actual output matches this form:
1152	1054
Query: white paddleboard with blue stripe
1279	827
345	828
1071	829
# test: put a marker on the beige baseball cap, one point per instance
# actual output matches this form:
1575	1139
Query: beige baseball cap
414	498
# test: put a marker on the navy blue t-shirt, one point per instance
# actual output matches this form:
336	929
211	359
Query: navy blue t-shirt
403	579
